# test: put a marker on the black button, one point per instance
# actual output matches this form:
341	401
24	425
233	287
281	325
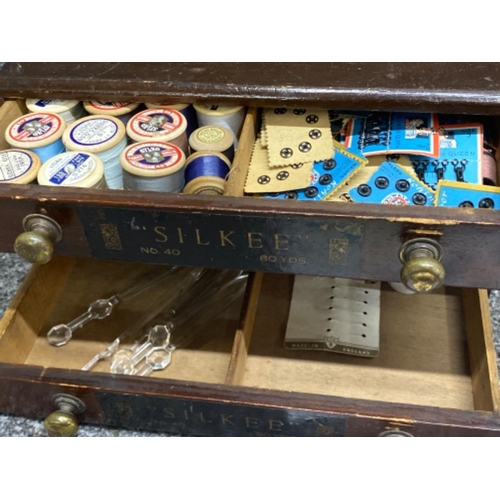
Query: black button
402	185
382	182
364	190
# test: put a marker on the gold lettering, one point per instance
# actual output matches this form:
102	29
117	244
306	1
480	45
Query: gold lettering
181	237
251	423
225	420
251	240
278	242
276	425
198	238
202	418
186	415
158	230
225	238
169	413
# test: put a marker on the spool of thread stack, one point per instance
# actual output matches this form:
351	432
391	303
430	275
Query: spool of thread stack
186	109
18	166
40	133
73	169
230	117
153	166
70	110
213	138
206	173
489	169
155	124
121	110
103	136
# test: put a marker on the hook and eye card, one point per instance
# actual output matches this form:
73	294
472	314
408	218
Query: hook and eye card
334	314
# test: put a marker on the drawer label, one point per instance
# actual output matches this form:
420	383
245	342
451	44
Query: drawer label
183	416
297	244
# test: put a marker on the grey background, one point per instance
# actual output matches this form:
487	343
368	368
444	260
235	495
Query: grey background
12	272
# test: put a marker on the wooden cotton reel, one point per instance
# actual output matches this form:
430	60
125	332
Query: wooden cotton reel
38	132
165	125
73	169
153	166
103	136
206	173
70	110
18	166
230	117
121	110
213	138
186	109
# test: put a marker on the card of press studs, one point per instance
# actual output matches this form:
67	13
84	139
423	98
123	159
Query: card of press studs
334	314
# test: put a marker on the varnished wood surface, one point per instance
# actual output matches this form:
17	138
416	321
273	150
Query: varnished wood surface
446	87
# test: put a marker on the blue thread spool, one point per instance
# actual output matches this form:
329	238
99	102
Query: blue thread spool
153	166
186	109
103	136
73	169
121	110
206	173
70	110
213	138
40	133
18	166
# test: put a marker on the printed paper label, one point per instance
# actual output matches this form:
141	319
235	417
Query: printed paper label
70	169
35	127
93	132
14	164
156	122
154	156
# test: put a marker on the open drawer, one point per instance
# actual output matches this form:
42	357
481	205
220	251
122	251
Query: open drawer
436	374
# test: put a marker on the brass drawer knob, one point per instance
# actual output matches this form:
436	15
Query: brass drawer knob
62	422
422	269
36	245
395	433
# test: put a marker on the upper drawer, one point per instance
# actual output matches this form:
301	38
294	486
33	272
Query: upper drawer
345	240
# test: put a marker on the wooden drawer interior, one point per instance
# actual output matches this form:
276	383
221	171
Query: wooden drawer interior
436	350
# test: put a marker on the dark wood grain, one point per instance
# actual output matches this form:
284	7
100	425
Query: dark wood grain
207	409
445	87
470	238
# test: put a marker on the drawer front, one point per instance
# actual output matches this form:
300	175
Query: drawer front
332	239
436	374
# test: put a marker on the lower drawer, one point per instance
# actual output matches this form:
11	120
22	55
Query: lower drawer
436	374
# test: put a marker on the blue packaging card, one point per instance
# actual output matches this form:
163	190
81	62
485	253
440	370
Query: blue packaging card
460	156
395	133
326	176
458	194
391	185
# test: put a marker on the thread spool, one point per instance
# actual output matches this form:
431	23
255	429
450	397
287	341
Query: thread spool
186	109
230	117
41	133
489	169
18	166
73	169
213	138
103	136
155	124
206	173
70	110
153	166
121	110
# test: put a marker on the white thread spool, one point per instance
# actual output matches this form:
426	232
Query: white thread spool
38	132
70	110
121	110
157	124
213	138
153	166
18	166
103	136
230	117
73	169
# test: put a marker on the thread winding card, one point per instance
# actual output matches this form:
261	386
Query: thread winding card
263	179
297	135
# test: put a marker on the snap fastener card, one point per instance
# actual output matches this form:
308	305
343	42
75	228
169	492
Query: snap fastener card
326	176
334	314
297	135
391	185
459	194
460	156
263	179
394	133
